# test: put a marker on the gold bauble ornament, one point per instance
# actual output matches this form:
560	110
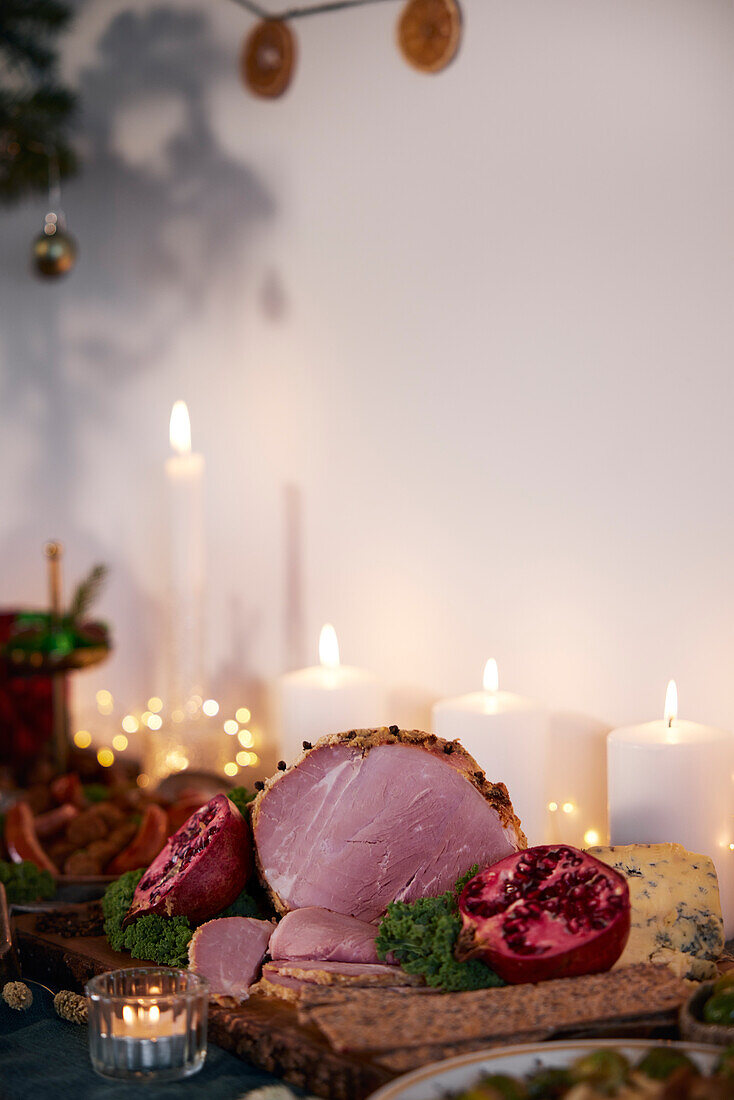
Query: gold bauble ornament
54	251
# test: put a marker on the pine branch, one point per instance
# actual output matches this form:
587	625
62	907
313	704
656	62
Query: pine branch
32	132
55	14
46	103
35	110
22	49
25	28
87	592
38	16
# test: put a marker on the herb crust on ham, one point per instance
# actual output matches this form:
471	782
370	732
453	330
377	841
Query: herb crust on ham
367	817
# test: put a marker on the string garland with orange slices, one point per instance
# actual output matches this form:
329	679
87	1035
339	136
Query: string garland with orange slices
428	35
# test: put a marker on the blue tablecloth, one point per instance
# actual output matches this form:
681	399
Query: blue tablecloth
46	1058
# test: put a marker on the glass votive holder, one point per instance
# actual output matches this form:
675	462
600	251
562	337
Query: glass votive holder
147	1023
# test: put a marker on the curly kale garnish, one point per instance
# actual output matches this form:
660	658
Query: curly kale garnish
462	882
163	940
241	798
24	882
116	901
244	905
96	792
422	936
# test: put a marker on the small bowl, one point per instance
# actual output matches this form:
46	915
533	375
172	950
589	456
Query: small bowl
693	1026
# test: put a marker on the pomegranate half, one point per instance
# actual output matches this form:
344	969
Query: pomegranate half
546	912
201	869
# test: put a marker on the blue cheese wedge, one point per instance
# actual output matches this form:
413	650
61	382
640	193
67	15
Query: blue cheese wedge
676	911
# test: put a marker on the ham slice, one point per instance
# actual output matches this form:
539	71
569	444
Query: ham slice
372	816
315	933
228	952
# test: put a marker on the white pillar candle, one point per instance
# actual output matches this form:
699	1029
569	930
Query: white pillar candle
508	736
576	780
671	781
329	698
185	477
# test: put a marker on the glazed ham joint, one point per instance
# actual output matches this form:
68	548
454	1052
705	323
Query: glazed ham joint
365	829
362	819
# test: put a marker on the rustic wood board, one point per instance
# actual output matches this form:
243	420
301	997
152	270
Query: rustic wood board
269	1034
264	1032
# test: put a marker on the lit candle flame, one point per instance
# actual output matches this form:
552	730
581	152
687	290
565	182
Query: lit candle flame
671	703
155	1014
127	1014
491	679
179	431
328	647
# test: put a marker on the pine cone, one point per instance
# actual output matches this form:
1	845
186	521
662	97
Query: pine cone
17	995
71	1006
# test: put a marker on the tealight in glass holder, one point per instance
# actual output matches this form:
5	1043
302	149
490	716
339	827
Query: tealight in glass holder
147	1023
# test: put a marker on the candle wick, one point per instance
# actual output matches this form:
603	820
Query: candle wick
670	722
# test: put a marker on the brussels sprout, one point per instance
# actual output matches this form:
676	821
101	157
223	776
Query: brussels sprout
480	1091
549	1084
497	1086
661	1062
719	1009
606	1070
725	1064
725	984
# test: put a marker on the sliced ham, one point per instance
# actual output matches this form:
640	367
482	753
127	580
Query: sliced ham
315	933
316	972
372	816
228	952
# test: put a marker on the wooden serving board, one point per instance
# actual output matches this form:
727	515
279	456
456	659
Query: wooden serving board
292	1044
264	1032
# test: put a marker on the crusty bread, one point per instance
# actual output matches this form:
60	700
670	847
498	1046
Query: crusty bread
315	982
349	974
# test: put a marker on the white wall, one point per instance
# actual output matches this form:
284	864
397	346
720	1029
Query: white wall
483	320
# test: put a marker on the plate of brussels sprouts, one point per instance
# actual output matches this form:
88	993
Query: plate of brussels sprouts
624	1069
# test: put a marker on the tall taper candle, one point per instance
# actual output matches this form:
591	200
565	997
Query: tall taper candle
185	476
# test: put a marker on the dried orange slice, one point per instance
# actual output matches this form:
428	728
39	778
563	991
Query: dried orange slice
268	57
429	32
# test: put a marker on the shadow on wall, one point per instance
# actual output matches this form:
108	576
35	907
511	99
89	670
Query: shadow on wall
165	219
167	206
161	212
